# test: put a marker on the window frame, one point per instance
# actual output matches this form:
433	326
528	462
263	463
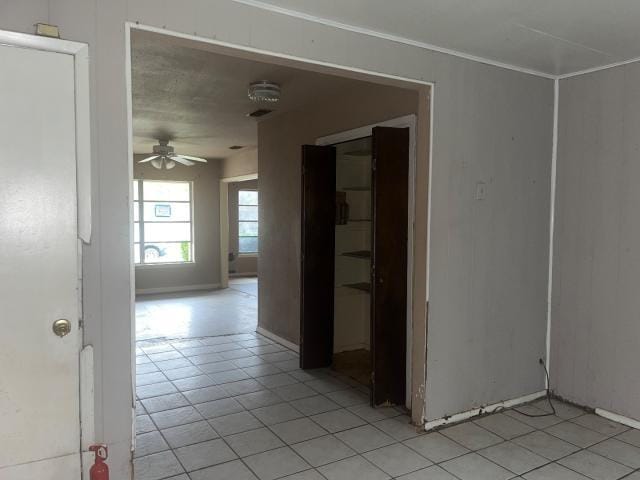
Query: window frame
241	253
140	245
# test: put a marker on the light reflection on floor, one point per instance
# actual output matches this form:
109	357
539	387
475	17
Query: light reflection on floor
199	314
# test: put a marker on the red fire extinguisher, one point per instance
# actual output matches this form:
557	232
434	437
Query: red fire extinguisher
99	470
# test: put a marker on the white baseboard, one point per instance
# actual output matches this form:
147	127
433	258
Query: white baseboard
280	340
629	422
178	288
459	417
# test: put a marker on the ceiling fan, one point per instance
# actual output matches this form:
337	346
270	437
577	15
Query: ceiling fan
165	156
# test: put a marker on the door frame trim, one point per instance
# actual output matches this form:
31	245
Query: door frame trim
239	50
410	122
224	223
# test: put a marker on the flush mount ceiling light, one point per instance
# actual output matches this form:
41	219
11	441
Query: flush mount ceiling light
165	156
264	91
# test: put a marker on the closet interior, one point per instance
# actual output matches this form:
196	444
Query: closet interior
352	318
354	260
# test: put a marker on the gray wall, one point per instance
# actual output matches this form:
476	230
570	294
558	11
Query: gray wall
487	120
245	162
489	258
205	270
279	144
595	332
247	263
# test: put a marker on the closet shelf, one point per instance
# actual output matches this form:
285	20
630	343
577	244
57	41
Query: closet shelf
362	286
365	254
360	188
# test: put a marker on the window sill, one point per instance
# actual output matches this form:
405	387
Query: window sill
248	255
168	264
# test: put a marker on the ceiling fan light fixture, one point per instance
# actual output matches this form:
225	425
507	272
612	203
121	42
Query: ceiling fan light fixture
264	91
165	157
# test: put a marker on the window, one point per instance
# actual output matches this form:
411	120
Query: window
247	221
162	222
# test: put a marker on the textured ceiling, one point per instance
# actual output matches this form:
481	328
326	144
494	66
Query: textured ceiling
551	36
198	99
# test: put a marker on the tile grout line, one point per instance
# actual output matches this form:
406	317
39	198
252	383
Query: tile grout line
476	451
208	420
159	430
536	429
286	445
580	449
171	449
367	422
397	442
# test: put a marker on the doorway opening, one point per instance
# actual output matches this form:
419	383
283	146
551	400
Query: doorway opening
239	233
195	195
200	388
356	314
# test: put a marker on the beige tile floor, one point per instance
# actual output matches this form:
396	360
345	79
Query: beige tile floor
237	407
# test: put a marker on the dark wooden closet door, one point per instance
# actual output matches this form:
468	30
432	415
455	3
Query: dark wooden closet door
317	255
390	162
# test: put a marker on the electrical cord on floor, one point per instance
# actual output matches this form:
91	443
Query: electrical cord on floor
553	410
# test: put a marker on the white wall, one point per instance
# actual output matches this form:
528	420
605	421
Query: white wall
204	272
595	333
488	258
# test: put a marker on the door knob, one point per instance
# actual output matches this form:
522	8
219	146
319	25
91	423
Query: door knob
62	327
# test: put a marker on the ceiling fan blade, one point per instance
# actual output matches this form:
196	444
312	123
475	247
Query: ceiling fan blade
183	161
148	159
189	157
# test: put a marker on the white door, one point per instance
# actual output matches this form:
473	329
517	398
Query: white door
39	265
